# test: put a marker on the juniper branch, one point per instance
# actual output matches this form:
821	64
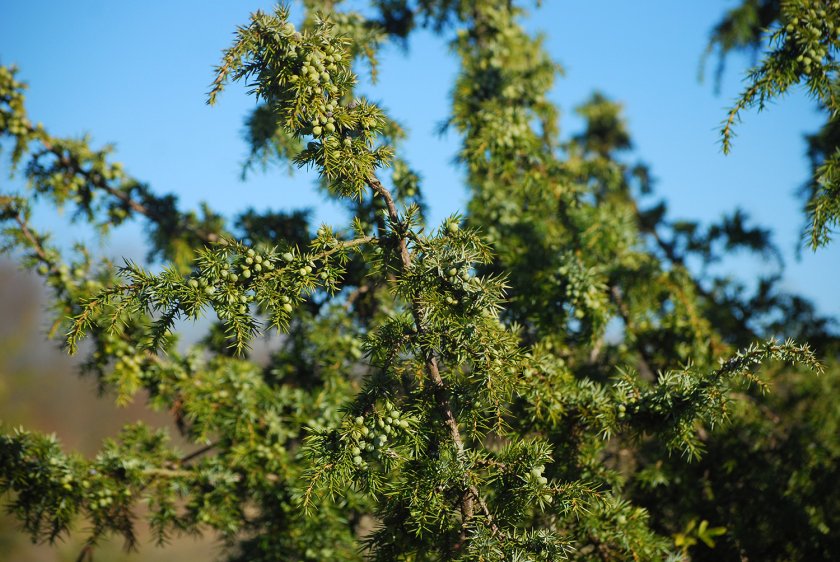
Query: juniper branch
440	389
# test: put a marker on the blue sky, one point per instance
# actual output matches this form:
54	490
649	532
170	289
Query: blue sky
136	74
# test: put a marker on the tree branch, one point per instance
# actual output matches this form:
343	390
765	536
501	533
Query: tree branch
33	240
99	182
197	453
441	392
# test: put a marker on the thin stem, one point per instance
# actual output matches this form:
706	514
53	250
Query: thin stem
33	240
168	473
483	505
380	190
342	245
195	454
86	554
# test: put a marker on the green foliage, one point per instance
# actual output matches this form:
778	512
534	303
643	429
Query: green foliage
539	379
803	41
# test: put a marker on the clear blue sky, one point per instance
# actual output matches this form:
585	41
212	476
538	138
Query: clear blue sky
136	73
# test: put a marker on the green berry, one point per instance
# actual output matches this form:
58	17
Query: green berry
316	131
287	307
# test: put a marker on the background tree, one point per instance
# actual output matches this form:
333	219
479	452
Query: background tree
543	377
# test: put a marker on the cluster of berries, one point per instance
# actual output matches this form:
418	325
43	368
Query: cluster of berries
814	33
371	434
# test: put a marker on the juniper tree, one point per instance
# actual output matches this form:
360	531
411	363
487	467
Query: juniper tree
801	38
541	378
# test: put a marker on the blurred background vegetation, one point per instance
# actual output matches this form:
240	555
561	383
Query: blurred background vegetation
40	389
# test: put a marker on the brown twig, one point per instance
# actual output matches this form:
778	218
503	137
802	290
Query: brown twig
481	503
197	453
33	240
86	554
